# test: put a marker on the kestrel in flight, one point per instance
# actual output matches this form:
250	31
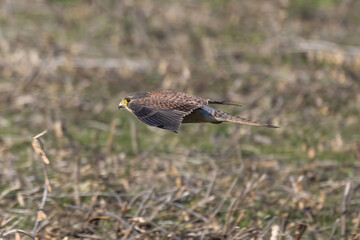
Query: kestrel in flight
168	109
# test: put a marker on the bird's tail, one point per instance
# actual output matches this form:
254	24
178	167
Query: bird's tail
225	117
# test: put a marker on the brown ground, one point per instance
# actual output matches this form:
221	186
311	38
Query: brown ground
65	65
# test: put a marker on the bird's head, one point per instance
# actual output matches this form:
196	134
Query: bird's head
124	102
131	98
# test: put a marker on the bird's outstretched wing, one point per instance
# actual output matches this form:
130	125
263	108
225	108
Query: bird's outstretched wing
164	109
162	118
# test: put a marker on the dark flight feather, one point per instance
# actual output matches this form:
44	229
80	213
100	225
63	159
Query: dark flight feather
161	118
223	103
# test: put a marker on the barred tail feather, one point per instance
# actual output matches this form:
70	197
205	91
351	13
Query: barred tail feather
224	117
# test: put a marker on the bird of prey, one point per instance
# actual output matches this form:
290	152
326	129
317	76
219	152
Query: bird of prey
168	109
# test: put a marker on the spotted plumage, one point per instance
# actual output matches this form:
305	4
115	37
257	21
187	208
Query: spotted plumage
168	109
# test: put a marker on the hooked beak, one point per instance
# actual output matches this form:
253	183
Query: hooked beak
121	105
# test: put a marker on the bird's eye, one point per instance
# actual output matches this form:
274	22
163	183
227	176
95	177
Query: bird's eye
127	100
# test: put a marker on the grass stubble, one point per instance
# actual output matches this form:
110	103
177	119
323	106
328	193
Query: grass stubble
114	178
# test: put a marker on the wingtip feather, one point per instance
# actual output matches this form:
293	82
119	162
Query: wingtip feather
271	126
224	103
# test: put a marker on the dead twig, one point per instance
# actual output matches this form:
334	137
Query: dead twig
336	223
14	231
144	201
267	228
40	213
343	209
9	190
229	216
224	198
189	211
77	180
211	185
101	213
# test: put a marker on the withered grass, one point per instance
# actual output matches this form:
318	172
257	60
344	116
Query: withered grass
98	173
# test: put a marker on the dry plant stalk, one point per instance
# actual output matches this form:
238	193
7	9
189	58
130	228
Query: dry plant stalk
343	208
39	147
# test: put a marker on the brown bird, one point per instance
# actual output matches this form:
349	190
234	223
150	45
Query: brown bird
168	109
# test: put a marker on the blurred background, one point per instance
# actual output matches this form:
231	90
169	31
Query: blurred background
65	65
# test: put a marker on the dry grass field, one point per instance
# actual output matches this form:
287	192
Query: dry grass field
65	65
